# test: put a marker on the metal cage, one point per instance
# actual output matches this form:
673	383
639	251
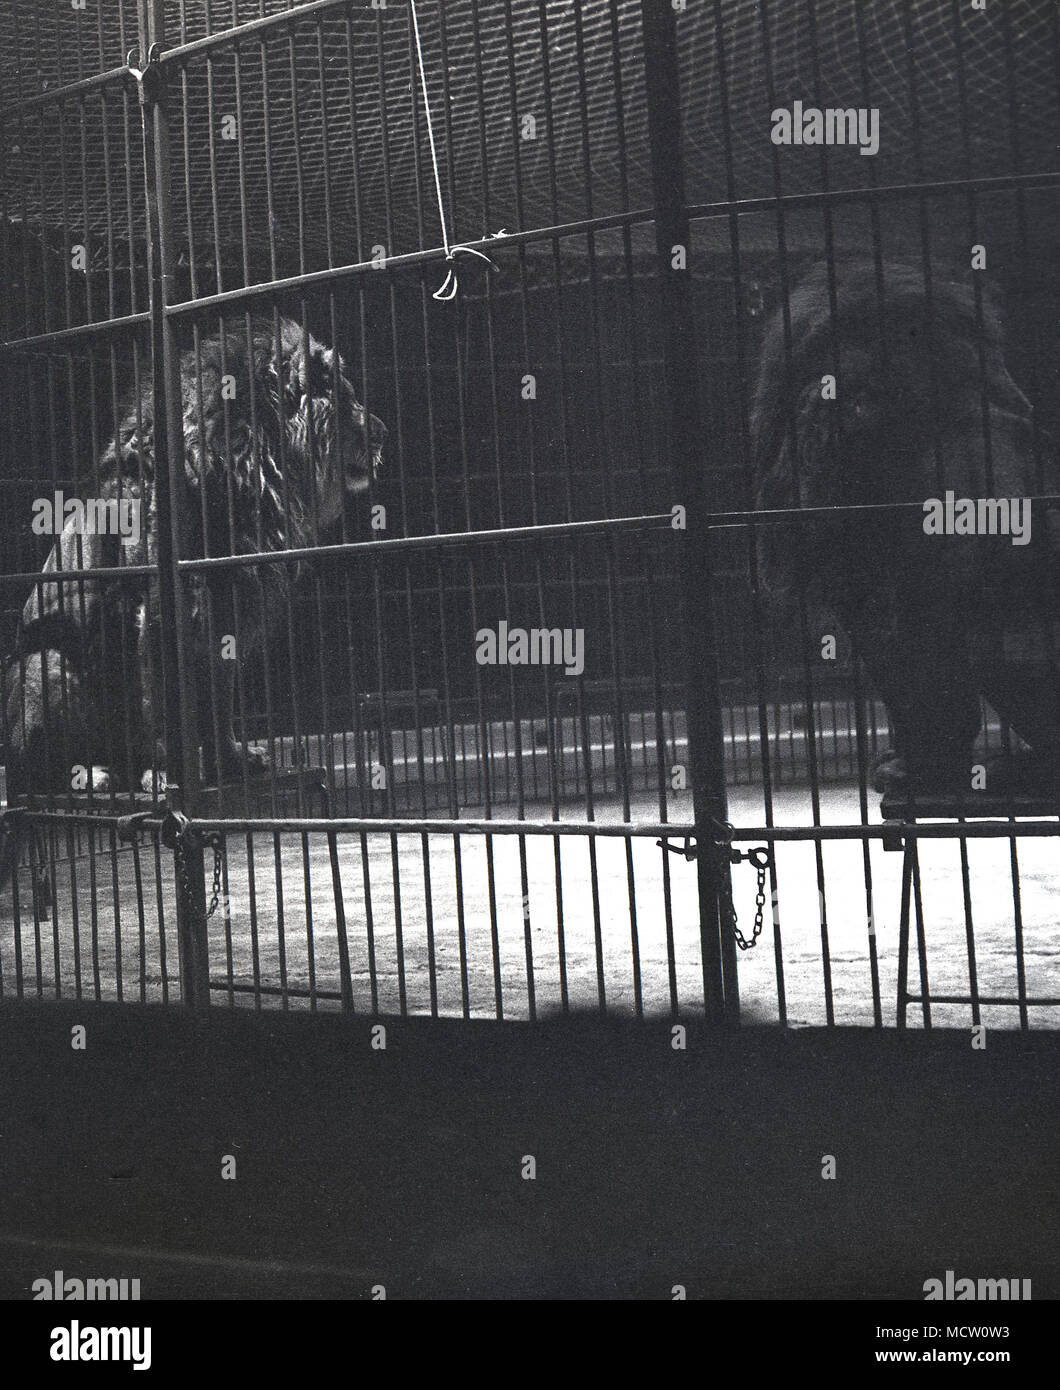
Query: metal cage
518	728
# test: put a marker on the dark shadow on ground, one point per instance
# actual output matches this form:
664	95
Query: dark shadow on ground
402	1167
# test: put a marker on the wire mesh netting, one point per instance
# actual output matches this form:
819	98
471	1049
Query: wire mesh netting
981	84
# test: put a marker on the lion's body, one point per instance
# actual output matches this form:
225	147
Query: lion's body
924	405
268	457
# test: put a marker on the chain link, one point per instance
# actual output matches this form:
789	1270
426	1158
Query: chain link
215	842
216	893
760	859
759	856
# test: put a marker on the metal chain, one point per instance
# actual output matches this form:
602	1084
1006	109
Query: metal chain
185	881
215	897
760	859
759	856
216	843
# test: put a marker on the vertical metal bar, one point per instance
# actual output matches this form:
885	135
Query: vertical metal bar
141	921
181	739
1017	918
119	952
445	642
902	992
252	895
560	362
345	976
369	923
160	909
34	870
281	924
74	912
969	929
93	902
807	668
621	764
399	929
307	888
230	967
662	781
921	939
705	738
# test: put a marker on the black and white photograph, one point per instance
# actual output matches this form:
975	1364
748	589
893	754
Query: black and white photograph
529	638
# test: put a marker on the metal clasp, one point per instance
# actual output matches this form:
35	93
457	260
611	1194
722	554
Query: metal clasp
150	78
689	851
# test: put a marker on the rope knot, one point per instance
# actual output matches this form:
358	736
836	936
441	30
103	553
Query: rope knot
447	291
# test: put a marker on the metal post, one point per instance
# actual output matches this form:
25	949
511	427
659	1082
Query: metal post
705	736
180	720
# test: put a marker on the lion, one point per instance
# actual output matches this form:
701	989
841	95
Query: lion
924	406
274	438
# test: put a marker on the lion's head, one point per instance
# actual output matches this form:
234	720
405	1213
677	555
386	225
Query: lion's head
923	401
327	430
274	434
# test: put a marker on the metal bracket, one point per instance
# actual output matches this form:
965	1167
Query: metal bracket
690	850
130	826
892	838
721	846
150	79
175	829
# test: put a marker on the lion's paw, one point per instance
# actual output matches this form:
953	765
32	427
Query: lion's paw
258	762
889	775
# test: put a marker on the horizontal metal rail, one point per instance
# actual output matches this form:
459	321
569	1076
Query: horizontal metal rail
455	539
403	261
835	197
446	540
635	217
1011	1001
39	578
58	336
180	53
942	829
82	87
254	28
358	825
776	516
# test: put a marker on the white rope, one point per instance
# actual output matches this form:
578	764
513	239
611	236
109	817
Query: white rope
448	289
430	127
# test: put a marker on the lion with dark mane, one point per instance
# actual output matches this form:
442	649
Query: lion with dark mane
274	438
923	405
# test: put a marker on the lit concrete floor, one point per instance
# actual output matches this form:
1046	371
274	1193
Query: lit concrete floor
633	887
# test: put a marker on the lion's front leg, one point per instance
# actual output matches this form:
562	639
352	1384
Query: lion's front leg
150	741
224	757
918	661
